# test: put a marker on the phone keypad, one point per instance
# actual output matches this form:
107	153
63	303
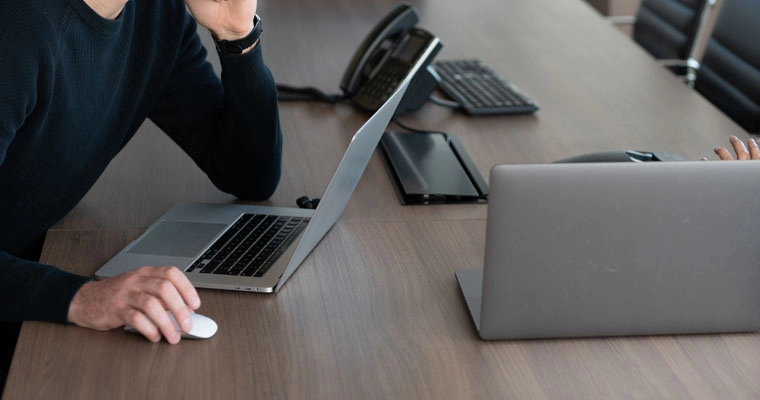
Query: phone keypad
381	86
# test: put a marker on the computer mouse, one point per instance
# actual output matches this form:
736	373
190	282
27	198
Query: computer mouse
622	155
203	327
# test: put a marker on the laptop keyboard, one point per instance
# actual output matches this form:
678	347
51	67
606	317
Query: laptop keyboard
251	245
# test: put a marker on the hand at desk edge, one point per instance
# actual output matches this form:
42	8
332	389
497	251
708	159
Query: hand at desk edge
748	152
138	298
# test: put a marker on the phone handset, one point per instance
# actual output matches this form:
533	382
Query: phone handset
386	56
374	47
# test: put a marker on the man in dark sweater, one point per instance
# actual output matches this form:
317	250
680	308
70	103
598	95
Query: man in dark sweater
78	78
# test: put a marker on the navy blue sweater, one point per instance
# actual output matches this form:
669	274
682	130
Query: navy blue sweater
74	88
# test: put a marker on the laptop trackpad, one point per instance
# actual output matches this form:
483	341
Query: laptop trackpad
179	239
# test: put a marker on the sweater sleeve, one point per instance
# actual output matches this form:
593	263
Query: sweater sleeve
34	291
230	128
28	290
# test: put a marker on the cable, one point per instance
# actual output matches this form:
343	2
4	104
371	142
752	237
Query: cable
290	93
443	102
408	128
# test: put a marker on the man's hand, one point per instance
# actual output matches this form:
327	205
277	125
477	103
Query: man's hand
748	152
140	299
226	19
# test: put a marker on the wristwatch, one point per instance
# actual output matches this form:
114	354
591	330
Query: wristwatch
237	46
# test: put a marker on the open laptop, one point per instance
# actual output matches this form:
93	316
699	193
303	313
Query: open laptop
207	240
576	250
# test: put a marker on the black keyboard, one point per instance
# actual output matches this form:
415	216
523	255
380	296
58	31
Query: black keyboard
250	246
479	90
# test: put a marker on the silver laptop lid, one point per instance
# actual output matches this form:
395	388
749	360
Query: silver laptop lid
345	179
622	249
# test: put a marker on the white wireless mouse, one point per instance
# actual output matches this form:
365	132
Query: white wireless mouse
203	327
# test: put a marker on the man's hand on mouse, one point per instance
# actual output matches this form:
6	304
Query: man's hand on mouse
139	298
748	152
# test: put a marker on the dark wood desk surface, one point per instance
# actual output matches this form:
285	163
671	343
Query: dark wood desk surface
375	311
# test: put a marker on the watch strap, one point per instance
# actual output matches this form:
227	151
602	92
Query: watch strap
237	46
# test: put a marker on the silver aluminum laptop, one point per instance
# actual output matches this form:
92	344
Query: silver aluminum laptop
186	235
577	250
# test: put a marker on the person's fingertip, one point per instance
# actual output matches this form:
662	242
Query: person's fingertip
173	338
187	325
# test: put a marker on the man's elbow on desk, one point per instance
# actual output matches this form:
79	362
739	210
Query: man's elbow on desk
255	186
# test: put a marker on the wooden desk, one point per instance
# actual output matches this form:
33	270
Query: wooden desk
375	312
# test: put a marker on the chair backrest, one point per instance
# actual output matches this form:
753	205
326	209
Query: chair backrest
667	28
730	72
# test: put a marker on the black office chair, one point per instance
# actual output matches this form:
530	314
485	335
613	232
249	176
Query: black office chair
669	29
730	72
